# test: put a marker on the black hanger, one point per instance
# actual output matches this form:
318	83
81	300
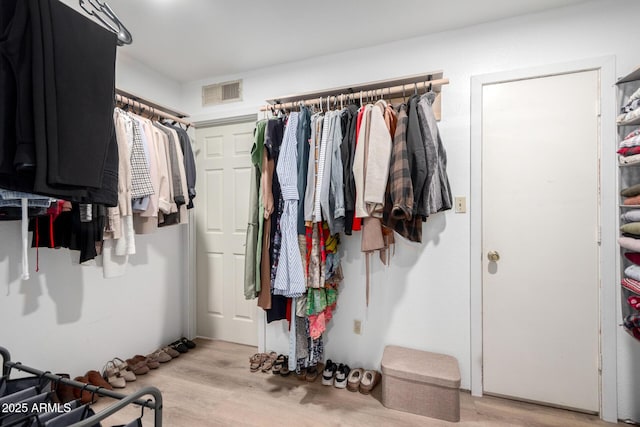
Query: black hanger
103	13
42	379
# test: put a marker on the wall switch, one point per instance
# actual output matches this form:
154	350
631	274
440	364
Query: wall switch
357	327
461	204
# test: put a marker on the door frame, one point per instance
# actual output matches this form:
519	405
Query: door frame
607	214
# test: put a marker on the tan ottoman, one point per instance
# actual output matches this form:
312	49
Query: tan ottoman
420	382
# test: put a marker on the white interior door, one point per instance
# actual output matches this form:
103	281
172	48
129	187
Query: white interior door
224	174
540	214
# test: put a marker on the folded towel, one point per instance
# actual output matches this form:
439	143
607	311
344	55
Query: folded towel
634	257
631	228
629	151
631	215
629	159
632	191
632	272
630	201
629	243
632	285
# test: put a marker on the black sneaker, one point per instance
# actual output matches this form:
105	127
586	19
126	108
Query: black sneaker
328	373
342	373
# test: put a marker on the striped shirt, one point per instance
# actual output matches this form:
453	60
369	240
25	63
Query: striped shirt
290	280
317	213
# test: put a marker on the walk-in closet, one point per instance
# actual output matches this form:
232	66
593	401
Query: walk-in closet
349	213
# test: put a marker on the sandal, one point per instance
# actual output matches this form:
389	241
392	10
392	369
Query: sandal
256	361
124	370
277	366
270	360
112	375
284	370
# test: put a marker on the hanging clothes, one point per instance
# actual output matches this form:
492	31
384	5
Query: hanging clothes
437	190
290	279
253	244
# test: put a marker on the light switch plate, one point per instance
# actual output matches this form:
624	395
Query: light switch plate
460	204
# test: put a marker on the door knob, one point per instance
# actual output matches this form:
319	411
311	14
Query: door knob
493	256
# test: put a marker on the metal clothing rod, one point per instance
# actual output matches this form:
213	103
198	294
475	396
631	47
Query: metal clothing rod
387	92
132	398
123	399
122	99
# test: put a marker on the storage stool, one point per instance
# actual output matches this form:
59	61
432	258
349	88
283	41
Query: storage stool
420	382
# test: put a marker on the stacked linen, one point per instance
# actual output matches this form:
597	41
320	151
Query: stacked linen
630	110
630	242
629	148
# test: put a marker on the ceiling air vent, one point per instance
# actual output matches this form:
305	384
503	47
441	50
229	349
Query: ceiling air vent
222	92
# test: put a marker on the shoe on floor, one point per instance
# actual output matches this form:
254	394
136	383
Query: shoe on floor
284	370
179	346
160	356
354	378
96	379
170	351
112	374
269	361
312	373
190	344
329	372
138	367
123	368
277	366
64	393
84	395
256	361
301	374
342	374
151	363
370	380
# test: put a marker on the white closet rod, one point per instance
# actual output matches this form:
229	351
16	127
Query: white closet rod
388	92
121	99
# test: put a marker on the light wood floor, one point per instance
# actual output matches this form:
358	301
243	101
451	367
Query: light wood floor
211	385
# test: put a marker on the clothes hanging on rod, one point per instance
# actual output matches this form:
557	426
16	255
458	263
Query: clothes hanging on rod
155	160
379	163
48	122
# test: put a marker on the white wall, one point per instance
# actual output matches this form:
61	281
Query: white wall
423	299
67	317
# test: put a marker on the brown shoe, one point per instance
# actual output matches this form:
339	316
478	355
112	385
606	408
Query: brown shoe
160	356
84	395
152	364
64	393
370	380
137	367
96	379
171	352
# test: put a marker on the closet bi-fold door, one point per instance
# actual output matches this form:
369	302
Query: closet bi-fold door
540	244
224	174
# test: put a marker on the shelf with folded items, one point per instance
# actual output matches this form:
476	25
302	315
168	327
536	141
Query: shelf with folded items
628	90
631	77
632	122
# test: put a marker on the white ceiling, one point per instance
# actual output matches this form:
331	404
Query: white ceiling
189	40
